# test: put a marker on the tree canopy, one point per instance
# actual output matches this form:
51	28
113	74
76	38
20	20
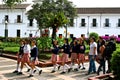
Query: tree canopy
52	13
12	3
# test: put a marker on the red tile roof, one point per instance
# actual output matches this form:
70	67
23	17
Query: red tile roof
112	10
18	6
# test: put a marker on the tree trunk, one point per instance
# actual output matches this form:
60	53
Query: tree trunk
54	33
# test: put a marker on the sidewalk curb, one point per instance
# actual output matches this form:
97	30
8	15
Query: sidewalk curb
41	64
48	64
99	77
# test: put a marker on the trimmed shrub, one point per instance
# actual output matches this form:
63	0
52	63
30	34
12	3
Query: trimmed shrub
115	64
93	34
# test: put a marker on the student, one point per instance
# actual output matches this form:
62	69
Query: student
26	56
92	56
65	55
19	55
101	57
34	58
74	54
110	48
81	53
55	56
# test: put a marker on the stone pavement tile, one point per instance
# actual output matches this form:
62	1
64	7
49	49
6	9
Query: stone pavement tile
7	69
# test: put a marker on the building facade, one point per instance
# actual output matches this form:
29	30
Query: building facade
104	21
16	22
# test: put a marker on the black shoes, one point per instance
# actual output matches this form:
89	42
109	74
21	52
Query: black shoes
58	67
19	73
30	75
62	72
83	68
52	71
76	69
69	70
34	71
28	70
15	71
40	72
79	67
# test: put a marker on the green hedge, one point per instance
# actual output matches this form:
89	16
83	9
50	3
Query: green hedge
11	49
115	64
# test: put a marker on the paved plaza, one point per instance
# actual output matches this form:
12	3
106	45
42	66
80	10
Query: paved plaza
7	66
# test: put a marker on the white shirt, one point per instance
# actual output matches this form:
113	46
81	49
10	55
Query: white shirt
92	46
27	48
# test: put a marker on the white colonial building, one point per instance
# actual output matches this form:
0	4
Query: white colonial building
104	21
16	21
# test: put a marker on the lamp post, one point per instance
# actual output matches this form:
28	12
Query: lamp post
88	27
6	30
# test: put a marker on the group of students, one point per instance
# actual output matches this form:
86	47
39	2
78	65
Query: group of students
98	51
28	56
105	51
75	50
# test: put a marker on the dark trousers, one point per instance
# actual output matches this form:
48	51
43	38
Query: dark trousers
109	64
102	64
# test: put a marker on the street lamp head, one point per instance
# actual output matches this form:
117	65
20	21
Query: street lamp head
6	22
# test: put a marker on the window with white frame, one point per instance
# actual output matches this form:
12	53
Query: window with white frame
118	23
18	18
94	22
107	24
30	22
83	22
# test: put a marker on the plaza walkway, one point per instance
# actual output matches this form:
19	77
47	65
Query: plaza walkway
7	66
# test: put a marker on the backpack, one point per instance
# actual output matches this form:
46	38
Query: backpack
109	48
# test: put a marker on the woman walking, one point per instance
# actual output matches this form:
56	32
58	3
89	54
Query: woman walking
26	55
74	54
55	56
19	55
34	58
92	56
81	53
101	58
65	55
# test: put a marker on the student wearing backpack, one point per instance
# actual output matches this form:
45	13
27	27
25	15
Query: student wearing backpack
110	48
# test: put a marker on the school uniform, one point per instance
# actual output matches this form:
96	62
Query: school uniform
19	57
34	60
26	55
65	56
66	52
81	52
34	55
74	52
55	56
